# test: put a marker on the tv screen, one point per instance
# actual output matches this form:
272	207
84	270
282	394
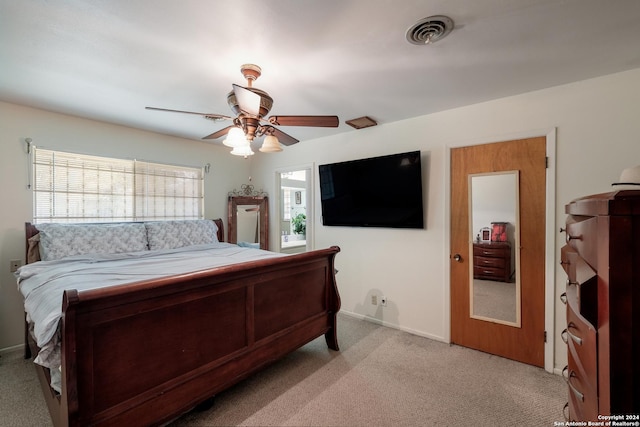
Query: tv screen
381	191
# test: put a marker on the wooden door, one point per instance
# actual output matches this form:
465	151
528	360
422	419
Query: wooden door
524	343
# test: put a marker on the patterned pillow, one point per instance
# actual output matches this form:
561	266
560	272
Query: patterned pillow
63	240
177	234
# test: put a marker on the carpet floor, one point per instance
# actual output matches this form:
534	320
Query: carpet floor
381	377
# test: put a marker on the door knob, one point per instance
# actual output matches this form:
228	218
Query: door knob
457	257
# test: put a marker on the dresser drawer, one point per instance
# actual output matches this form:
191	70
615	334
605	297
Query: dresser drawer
492	261
574	316
566	253
491	251
583	398
580	337
581	371
489	273
581	271
583	366
584	280
481	261
581	234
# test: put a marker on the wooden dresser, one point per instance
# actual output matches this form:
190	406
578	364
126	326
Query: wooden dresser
492	261
602	262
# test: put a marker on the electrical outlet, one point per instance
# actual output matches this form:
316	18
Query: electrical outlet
14	265
374	299
383	301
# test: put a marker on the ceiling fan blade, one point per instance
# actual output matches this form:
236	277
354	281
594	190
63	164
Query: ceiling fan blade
284	138
248	102
219	133
207	115
314	121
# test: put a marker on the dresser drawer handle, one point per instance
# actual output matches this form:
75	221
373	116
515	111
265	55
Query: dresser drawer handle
569	283
576	391
575	338
563	298
566	333
567	378
570	238
565	372
565	411
563	262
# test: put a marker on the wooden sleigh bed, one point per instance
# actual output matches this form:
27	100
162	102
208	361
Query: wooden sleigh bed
146	352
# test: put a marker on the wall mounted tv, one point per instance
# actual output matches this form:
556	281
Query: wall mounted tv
381	191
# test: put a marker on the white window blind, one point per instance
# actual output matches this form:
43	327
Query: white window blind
72	187
286	199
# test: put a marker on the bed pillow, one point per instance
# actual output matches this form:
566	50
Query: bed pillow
63	240
33	249
177	234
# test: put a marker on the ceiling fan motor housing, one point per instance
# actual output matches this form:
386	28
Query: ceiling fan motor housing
266	102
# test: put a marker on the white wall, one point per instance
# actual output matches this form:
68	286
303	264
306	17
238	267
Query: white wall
67	133
598	135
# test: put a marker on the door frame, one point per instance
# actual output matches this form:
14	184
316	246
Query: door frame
310	202
550	234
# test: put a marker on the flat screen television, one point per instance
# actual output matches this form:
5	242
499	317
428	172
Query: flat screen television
381	191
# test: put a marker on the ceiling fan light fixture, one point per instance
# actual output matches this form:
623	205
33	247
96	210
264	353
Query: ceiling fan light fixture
235	138
243	150
270	145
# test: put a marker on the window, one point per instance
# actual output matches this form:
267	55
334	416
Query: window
79	188
286	200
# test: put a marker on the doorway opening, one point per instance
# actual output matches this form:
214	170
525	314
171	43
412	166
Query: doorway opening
295	216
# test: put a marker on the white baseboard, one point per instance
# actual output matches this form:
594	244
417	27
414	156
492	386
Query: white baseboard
6	350
394	326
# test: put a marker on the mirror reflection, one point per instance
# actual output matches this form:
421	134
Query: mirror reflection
248	221
248	225
494	274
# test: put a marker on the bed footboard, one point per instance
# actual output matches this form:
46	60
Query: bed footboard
145	353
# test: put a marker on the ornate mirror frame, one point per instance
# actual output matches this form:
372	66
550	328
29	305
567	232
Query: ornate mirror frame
262	205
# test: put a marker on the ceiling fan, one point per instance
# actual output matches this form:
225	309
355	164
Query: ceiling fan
250	106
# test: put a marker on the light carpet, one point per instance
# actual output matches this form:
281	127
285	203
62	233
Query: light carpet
381	377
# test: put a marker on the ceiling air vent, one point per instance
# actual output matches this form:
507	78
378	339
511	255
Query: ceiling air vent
361	122
429	30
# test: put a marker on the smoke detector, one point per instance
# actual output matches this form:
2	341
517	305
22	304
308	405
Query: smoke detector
429	30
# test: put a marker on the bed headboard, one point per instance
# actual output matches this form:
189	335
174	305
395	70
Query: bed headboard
32	229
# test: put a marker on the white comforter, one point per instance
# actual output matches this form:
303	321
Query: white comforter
43	283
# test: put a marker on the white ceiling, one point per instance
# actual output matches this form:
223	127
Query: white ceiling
107	60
